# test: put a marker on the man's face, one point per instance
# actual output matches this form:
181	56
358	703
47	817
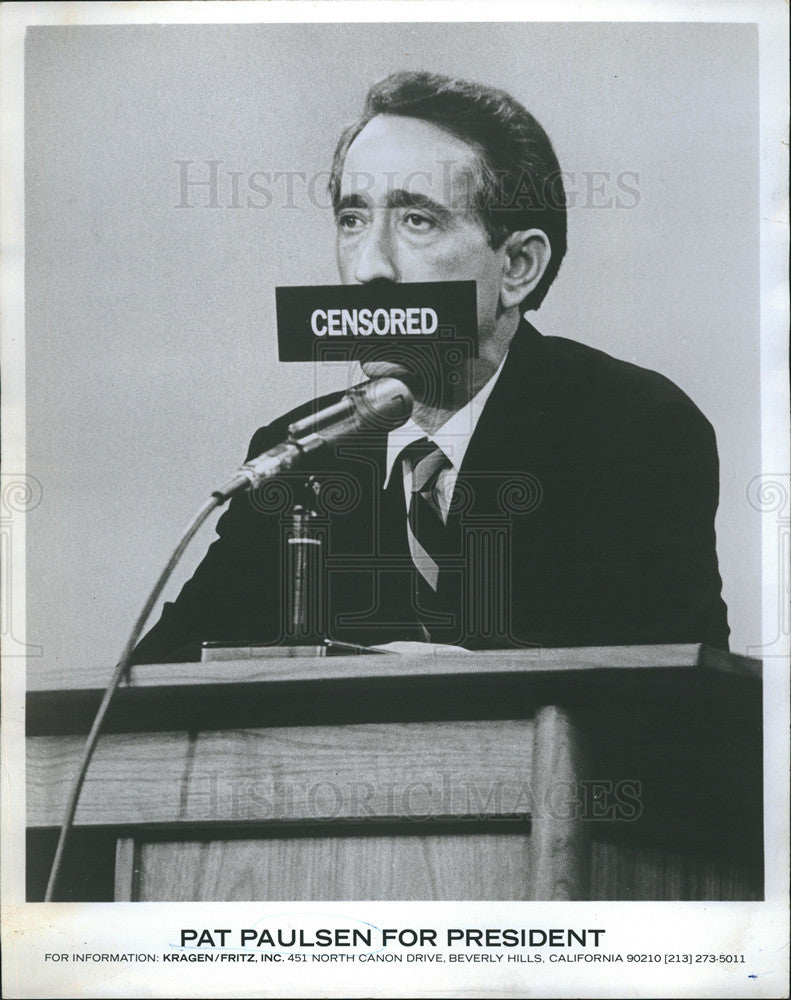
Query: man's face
405	213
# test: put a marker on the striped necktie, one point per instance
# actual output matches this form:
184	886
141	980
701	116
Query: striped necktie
425	524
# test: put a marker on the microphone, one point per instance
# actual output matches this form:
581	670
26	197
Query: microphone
381	403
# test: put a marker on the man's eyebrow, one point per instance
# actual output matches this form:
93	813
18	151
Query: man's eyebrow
401	198
398	198
354	200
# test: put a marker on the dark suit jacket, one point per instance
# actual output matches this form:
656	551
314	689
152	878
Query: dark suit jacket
583	515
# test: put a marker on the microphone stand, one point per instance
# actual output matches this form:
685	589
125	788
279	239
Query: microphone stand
304	606
382	403
304	573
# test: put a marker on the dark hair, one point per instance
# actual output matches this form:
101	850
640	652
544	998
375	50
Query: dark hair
520	185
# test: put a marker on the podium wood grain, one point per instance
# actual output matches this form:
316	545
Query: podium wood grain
290	774
460	776
560	849
406	866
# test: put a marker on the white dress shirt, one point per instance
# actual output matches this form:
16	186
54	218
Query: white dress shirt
453	437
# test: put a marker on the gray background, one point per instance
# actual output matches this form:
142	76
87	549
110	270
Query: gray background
150	328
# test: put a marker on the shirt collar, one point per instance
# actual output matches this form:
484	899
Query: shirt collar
453	437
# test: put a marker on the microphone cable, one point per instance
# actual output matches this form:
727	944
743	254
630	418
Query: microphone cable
120	670
365	405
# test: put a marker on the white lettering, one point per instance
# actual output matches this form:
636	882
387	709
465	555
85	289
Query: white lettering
333	322
317	315
349	321
382	330
424	315
395	322
366	327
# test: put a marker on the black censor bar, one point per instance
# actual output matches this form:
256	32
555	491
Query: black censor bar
352	322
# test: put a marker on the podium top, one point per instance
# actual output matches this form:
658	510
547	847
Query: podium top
274	690
688	656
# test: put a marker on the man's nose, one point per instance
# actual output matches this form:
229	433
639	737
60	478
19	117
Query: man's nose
376	260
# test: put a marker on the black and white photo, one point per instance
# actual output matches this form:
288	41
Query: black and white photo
457	346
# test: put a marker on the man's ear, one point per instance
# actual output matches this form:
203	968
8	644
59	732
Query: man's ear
527	257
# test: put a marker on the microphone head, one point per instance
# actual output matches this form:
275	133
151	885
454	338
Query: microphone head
382	403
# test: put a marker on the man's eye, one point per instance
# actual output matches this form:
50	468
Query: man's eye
418	222
349	223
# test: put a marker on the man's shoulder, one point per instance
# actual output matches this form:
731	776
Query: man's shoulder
587	384
592	373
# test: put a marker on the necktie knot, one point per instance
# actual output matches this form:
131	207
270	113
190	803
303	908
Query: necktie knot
426	461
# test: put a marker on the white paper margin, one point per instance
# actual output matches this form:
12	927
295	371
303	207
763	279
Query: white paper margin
759	929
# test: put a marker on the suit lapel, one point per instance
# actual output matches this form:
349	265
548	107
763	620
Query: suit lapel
505	435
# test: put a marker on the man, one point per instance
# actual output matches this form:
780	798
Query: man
543	493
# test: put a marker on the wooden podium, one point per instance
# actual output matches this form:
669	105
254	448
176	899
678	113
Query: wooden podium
606	773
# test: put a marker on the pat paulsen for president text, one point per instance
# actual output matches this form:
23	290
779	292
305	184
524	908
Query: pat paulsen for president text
407	937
